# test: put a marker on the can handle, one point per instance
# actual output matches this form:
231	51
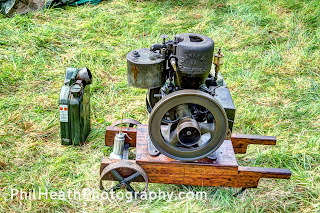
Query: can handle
126	134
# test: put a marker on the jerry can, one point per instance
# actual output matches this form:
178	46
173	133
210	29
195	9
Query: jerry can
74	106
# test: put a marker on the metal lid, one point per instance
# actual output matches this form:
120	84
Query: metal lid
75	90
144	56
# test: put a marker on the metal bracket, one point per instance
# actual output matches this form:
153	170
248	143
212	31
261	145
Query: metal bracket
212	156
152	149
126	151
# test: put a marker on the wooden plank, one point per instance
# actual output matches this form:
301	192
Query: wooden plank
162	169
264	172
225	154
179	174
246	177
112	131
240	142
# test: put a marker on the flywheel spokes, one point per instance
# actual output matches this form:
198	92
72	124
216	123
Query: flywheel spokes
124	182
199	126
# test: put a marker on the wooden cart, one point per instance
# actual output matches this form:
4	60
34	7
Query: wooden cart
223	171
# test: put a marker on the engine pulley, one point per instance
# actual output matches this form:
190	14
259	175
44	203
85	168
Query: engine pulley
191	138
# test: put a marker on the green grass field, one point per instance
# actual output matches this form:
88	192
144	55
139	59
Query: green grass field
272	51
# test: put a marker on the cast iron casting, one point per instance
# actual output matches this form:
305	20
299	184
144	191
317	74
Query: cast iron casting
190	106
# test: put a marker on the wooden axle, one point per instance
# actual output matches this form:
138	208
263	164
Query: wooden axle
224	171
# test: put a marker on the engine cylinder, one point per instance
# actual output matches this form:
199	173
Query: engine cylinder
194	54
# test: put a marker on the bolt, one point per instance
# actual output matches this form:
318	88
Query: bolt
123	185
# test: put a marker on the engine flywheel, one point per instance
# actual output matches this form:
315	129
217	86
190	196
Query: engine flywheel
196	125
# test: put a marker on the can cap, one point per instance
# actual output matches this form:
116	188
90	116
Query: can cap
76	90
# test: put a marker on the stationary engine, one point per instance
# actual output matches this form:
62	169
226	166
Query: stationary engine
191	110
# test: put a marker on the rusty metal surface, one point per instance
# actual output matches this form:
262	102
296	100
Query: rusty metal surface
112	168
130	121
145	69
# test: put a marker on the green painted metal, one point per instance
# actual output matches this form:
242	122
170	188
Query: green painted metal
74	106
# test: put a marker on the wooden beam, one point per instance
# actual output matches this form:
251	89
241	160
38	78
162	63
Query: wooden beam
224	171
201	175
240	142
112	131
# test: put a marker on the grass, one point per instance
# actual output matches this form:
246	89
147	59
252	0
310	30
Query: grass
271	66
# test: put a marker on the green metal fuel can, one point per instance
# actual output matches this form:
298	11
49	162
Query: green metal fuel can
74	106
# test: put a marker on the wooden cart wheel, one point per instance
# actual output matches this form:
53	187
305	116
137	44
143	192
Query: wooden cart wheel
124	181
130	121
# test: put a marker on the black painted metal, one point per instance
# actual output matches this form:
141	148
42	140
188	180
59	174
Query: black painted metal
194	54
176	69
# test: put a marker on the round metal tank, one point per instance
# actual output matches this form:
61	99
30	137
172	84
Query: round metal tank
194	57
145	69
